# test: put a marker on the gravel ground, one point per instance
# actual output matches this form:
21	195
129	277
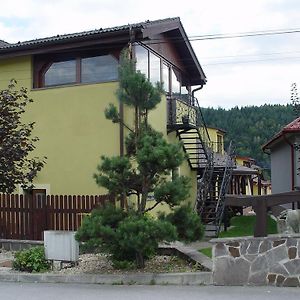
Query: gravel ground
100	264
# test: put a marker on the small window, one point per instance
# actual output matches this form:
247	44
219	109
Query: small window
99	68
58	73
219	143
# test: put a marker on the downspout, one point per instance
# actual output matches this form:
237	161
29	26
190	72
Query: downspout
292	160
204	123
293	164
195	90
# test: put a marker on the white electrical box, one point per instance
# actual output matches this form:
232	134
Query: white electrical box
61	245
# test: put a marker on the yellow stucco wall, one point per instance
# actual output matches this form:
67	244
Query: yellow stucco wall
213	134
73	131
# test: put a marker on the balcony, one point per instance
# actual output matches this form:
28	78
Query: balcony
181	113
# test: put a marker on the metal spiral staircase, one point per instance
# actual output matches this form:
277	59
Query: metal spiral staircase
186	119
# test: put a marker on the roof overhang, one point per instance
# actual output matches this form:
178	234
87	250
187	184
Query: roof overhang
118	36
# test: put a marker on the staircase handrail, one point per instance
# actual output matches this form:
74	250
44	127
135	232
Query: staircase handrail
224	186
197	105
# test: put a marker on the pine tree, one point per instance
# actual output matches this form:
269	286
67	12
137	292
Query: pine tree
16	142
145	169
295	99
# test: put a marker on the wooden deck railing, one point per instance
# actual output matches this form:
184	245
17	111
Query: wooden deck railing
261	204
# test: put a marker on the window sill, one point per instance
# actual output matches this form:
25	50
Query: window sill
70	85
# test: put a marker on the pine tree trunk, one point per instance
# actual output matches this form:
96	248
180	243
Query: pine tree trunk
140	261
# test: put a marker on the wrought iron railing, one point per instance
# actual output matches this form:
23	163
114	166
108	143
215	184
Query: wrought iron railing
181	112
185	110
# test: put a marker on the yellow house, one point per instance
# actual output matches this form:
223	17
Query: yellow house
72	78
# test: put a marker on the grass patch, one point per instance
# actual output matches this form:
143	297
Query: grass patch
244	226
206	251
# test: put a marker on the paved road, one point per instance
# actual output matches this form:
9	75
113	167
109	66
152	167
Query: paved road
33	291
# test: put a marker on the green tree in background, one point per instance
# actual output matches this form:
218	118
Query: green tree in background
250	127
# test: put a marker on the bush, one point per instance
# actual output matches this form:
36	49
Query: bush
125	236
31	260
140	235
187	222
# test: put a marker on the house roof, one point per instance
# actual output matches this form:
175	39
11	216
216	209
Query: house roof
293	127
143	31
242	170
217	128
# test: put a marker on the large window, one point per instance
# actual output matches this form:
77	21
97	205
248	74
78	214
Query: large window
156	69
76	70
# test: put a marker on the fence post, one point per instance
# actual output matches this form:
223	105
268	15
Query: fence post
260	227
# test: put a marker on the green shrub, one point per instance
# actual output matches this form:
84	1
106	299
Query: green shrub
124	236
31	260
187	222
140	235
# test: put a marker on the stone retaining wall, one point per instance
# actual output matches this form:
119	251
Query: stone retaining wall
15	245
272	260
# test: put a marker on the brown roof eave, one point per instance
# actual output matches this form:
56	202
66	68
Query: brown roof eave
116	37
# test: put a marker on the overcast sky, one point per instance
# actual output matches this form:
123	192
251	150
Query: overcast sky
240	71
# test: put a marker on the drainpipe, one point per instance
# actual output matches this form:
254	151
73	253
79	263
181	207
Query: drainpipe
293	164
195	90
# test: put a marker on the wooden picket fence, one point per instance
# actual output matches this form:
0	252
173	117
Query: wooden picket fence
26	217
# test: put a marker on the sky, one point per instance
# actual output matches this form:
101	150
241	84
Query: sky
240	71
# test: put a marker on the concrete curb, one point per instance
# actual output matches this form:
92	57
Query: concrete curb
195	278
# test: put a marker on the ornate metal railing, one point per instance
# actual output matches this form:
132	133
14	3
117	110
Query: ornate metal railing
181	112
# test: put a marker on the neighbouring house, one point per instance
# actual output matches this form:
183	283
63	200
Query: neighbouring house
283	149
248	178
73	77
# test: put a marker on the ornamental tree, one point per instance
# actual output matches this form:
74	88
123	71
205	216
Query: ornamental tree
16	142
145	169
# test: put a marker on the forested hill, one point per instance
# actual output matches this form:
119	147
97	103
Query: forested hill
250	127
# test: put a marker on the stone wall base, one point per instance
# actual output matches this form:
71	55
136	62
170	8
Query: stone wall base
272	260
16	245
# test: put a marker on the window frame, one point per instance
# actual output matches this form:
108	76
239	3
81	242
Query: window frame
41	65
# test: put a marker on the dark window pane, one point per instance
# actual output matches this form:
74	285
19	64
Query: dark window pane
99	68
141	59
154	68
63	72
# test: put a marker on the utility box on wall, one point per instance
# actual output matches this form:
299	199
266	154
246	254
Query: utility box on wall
61	246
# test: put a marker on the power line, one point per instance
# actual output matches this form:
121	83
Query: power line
250	55
250	61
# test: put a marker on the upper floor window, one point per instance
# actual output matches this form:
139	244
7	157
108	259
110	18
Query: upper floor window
158	70
62	72
99	68
75	70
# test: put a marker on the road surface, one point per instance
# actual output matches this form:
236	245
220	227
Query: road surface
34	291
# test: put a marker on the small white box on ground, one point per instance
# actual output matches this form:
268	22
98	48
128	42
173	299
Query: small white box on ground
61	245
